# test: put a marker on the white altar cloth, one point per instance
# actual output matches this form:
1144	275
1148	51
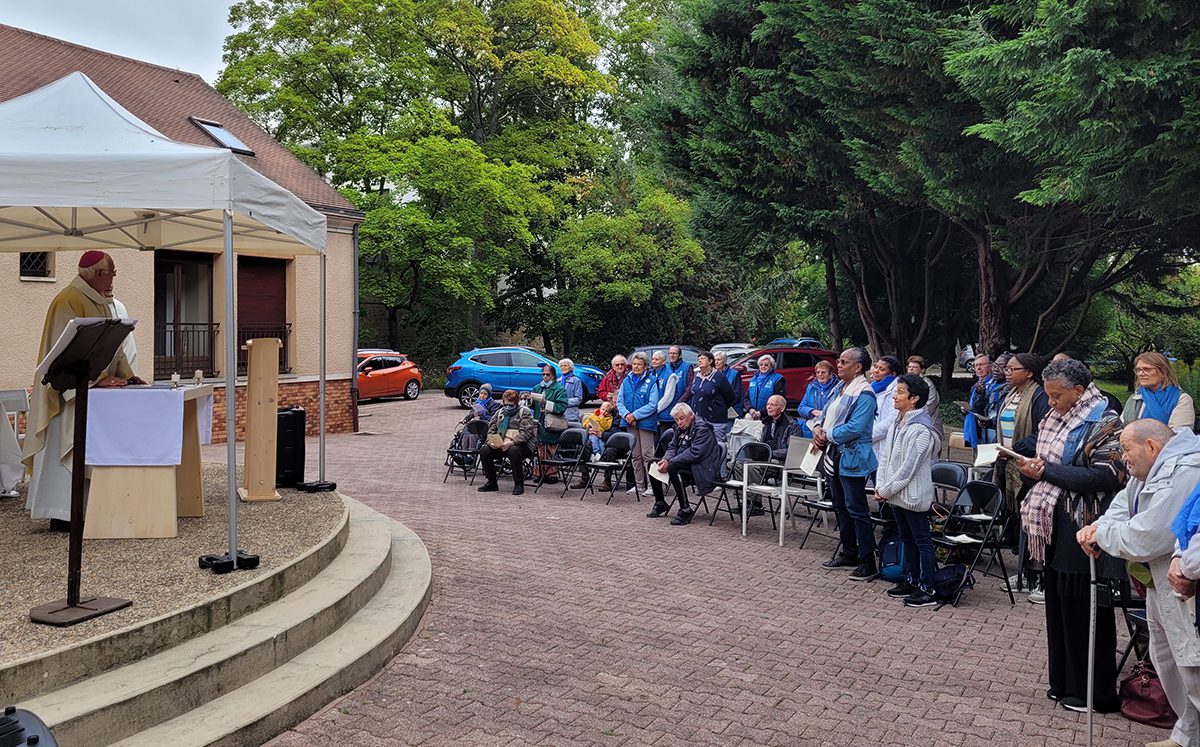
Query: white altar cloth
135	427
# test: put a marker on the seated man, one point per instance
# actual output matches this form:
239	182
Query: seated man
693	451
1164	469
778	427
512	435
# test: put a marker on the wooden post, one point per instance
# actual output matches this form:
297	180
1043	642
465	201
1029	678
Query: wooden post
262	407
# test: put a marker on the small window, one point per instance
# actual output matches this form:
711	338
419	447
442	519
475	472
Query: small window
492	359
527	360
36	265
797	359
224	137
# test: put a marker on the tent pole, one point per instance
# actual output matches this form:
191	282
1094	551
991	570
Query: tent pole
321	434
231	384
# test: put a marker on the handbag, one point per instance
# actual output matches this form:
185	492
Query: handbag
1143	699
554	422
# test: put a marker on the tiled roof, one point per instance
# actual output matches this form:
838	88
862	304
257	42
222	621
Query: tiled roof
162	97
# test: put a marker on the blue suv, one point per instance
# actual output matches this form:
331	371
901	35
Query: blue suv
507	368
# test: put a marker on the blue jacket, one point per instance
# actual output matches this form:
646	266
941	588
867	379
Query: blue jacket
711	399
761	388
981	406
734	377
682	379
574	389
852	434
816	397
639	395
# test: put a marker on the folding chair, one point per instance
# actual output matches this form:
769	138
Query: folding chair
1133	610
567	457
748	452
982	530
460	455
620	444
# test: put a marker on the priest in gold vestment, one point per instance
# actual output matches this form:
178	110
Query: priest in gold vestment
49	436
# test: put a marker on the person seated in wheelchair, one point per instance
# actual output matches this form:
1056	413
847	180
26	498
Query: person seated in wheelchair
484	406
778	427
693	451
512	435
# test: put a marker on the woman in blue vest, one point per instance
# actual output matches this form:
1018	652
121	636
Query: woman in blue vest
766	382
637	404
817	396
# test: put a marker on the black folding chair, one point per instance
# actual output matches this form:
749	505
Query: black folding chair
567	458
976	524
748	452
619	447
461	454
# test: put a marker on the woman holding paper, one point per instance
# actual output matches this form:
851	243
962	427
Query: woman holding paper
1077	470
1022	410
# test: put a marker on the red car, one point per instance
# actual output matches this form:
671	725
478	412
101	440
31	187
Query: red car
797	365
386	373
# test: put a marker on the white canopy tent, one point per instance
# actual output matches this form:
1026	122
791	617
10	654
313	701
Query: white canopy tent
78	171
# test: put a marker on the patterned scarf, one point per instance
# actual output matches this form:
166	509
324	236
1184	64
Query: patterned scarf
1037	511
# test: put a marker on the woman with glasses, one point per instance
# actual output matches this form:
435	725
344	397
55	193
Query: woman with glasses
549	397
1158	395
611	383
1017	428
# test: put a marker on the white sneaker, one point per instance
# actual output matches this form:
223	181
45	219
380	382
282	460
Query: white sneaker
1014	582
631	491
647	492
10	494
1037	595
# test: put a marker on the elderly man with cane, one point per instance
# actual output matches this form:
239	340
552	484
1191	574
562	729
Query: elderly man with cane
1164	469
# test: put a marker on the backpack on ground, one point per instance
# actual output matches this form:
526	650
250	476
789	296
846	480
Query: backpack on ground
891	556
946	581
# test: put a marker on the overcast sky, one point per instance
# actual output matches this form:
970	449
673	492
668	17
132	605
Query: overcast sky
184	34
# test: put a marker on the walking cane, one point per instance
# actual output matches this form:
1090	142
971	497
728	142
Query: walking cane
1091	675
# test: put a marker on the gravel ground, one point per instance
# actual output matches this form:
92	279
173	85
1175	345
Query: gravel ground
159	575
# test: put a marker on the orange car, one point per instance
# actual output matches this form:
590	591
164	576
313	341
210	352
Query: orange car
386	373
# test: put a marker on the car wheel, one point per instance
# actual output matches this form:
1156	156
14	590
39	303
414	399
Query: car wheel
467	393
412	390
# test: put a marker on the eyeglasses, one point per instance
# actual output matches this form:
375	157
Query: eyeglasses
1144	370
1015	368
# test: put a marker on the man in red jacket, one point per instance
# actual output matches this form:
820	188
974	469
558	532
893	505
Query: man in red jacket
612	380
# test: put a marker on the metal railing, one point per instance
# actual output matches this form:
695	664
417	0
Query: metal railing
183	347
252	331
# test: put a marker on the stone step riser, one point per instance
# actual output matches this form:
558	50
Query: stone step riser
260	710
137	697
42	674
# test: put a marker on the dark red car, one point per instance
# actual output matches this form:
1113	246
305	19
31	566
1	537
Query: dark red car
797	365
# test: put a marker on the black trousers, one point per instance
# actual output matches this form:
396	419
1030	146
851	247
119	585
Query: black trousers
1068	618
516	456
674	474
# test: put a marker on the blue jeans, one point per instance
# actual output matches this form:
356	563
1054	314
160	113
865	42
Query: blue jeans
854	518
597	444
721	430
920	562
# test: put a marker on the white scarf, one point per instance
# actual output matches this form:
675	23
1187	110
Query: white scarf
847	394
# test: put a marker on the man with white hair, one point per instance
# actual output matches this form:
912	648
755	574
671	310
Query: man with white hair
693	451
48	437
1164	469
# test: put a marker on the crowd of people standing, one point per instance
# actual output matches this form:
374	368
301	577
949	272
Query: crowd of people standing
1092	480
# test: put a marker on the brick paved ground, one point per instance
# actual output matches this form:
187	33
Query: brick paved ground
557	622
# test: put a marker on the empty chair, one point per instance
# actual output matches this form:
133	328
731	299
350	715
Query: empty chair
567	458
618	451
976	524
463	452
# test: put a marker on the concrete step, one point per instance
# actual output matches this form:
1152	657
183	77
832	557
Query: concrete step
259	710
53	670
121	702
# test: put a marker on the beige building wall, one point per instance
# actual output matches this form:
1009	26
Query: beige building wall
23	303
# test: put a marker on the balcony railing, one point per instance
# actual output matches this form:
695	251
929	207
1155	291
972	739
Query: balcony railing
252	331
183	347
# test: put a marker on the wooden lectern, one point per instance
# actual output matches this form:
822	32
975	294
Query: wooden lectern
81	354
262	408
